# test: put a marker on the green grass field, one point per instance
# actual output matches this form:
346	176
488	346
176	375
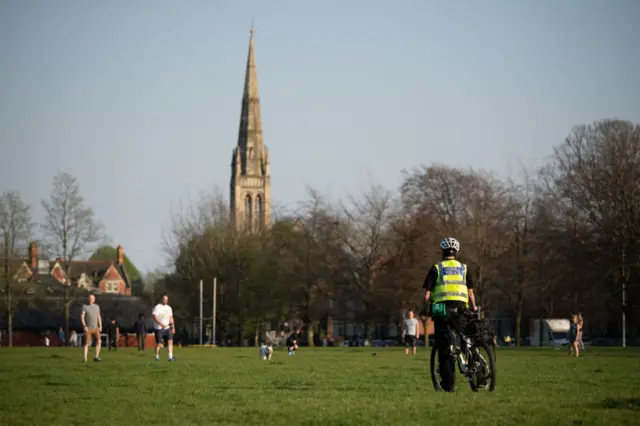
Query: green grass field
336	386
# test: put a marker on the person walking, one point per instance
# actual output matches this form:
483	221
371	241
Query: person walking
92	326
164	326
573	336
580	331
141	331
411	333
113	330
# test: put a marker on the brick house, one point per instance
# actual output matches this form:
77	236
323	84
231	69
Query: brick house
38	295
98	276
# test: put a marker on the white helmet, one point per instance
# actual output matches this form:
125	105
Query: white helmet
450	243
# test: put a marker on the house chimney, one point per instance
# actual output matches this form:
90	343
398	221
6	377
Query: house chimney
33	254
120	251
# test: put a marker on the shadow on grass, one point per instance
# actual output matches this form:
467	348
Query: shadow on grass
54	356
61	384
38	376
632	403
292	385
232	388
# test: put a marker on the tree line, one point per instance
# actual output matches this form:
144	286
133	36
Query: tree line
562	238
559	239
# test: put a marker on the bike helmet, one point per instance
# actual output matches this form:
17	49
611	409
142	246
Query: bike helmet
450	243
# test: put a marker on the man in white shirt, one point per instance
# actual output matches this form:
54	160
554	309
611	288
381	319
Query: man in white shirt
164	326
411	333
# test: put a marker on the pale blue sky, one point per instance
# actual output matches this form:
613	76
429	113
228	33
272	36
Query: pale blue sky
141	99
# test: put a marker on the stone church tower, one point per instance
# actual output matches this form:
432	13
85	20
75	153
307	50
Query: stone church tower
250	174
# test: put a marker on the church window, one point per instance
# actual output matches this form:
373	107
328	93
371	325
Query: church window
248	211
260	210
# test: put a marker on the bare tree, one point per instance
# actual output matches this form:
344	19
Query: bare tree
440	190
71	230
312	286
364	239
593	180
411	250
194	219
516	279
16	227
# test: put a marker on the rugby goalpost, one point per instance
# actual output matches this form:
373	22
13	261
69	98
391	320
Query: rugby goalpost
213	317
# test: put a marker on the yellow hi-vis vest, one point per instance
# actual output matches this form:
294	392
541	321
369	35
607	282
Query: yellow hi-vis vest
451	285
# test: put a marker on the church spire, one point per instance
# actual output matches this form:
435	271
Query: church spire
250	171
250	133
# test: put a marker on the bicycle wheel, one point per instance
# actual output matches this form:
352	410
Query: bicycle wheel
435	373
484	368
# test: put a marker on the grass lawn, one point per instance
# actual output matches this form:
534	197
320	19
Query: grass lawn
333	386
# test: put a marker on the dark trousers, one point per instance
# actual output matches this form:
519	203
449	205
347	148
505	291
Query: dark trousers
113	342
141	338
444	334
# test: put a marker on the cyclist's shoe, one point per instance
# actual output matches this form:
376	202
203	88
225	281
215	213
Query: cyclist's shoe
445	388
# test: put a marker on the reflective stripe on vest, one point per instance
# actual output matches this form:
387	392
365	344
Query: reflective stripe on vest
451	285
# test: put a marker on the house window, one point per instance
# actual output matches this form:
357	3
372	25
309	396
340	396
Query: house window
112	287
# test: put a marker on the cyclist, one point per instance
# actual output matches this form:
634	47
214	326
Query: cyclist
448	291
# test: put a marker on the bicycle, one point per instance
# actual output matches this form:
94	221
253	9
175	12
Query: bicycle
479	370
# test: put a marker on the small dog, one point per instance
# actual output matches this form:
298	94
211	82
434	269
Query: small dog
266	352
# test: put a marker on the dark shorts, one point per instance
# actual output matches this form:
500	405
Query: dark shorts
290	343
409	341
163	335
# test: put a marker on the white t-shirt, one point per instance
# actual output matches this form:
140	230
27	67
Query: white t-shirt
164	314
410	327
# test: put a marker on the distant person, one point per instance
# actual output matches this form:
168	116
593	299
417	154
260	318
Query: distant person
507	341
61	341
266	351
573	336
164	326
46	341
293	340
141	331
580	331
74	338
113	330
411	333
91	326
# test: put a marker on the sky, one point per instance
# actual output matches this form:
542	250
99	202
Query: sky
140	100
